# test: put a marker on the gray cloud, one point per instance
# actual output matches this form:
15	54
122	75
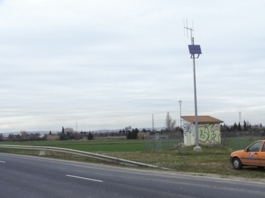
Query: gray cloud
111	64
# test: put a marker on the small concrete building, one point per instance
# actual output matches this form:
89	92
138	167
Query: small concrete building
208	130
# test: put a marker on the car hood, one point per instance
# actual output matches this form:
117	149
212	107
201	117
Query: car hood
236	152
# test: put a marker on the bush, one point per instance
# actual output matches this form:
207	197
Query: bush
90	136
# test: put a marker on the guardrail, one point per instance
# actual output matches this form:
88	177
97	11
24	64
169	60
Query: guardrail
81	153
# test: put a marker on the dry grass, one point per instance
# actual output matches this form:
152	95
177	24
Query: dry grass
203	163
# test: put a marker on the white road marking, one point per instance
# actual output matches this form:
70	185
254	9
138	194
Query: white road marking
95	180
2	162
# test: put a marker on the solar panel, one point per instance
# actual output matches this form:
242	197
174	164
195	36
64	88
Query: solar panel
195	49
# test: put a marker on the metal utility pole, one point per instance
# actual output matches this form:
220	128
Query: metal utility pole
194	50
180	124
152	122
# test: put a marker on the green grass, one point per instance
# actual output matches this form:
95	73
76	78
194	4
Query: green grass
214	160
89	146
236	143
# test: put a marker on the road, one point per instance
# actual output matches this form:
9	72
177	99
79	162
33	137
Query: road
35	177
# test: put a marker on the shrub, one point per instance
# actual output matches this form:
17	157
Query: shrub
90	136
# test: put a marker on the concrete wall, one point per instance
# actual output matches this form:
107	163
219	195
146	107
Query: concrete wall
208	133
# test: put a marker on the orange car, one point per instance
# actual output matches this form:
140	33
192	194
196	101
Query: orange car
253	155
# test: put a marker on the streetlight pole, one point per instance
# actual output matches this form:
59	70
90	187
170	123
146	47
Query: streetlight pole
180	124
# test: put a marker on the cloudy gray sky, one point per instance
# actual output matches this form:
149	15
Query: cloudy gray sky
108	64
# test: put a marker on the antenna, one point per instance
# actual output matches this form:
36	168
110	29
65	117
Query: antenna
193	28
184	26
189	29
194	49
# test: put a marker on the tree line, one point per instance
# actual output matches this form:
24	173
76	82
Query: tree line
238	127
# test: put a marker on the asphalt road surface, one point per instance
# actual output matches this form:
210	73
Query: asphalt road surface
34	177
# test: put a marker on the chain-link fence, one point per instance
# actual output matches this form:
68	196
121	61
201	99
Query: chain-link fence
233	140
240	140
157	141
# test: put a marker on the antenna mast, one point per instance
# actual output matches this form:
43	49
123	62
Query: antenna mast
194	50
191	30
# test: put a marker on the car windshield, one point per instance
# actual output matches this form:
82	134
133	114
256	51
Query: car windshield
255	146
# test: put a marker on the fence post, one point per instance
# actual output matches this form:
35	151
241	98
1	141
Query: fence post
169	141
238	141
154	144
144	143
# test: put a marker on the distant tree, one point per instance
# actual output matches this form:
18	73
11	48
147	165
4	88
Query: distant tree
134	133
136	130
62	130
144	130
235	126
1	137
50	133
170	123
68	130
24	135
18	137
90	136
239	127
245	126
223	128
129	135
63	136
11	137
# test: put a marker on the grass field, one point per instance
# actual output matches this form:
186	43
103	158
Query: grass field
90	146
236	143
214	160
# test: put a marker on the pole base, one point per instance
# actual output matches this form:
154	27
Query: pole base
197	148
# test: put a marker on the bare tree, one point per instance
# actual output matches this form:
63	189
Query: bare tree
1	137
23	134
68	130
170	124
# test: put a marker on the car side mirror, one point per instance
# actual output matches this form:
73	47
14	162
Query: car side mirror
246	150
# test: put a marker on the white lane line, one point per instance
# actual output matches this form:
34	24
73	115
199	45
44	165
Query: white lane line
95	180
2	162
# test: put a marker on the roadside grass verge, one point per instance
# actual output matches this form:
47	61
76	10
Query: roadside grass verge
213	160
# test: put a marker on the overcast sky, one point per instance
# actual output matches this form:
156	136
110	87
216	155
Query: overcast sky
94	64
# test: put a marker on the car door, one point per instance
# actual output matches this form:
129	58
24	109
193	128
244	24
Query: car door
251	154
262	155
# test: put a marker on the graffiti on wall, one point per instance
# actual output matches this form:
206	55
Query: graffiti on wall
209	133
188	127
189	133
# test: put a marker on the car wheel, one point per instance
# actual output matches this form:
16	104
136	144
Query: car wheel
237	164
